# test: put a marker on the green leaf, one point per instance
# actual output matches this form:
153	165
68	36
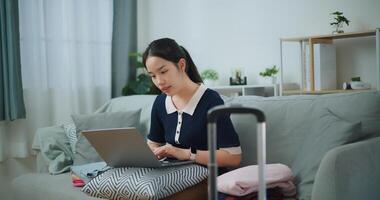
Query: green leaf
337	13
339	18
143	83
209	74
269	72
140	65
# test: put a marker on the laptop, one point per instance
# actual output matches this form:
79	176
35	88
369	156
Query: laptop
126	147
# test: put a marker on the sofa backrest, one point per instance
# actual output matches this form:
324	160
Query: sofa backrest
291	118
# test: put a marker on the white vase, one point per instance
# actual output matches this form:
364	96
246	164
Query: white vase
274	80
268	80
209	83
338	28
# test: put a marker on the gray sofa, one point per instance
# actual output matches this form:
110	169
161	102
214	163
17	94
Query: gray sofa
331	142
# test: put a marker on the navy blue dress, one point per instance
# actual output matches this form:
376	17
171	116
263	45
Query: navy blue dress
188	129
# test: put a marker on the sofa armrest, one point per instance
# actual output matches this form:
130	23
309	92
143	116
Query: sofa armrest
349	172
53	150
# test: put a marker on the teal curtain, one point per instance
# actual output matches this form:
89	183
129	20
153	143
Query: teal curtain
11	96
124	41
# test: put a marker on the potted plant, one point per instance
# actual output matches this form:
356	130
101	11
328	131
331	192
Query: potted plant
270	72
209	76
339	19
141	83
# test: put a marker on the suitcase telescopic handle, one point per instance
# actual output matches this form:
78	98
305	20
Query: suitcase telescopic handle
212	117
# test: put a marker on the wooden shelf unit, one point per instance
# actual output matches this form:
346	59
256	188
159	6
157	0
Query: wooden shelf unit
244	90
328	39
293	92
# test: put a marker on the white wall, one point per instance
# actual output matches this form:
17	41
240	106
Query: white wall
224	34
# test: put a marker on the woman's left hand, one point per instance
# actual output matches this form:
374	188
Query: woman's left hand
169	150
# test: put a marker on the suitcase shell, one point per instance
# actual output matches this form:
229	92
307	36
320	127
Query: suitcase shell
212	117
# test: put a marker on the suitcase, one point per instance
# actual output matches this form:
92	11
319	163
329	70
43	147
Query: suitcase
212	117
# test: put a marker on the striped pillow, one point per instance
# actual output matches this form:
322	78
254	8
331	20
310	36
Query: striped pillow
144	183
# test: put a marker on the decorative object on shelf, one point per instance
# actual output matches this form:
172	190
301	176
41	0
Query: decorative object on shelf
142	82
209	76
346	86
339	19
237	77
357	84
355	78
270	72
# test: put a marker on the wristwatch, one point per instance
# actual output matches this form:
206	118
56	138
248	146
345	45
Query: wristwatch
193	153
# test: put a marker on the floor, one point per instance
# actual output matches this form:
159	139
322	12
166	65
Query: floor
12	168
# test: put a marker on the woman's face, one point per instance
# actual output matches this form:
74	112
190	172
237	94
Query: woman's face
165	74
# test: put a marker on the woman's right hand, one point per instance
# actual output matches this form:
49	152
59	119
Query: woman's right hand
161	152
153	145
169	150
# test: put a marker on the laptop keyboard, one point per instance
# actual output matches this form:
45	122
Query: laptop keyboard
173	161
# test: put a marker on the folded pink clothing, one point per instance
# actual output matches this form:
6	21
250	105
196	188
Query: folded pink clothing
272	194
245	180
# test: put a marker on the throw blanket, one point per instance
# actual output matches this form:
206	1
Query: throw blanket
82	174
244	181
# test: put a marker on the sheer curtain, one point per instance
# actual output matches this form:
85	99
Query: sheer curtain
66	65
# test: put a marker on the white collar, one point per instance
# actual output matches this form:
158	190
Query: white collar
191	105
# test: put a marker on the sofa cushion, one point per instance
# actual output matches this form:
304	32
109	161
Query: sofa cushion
145	183
43	186
328	132
130	103
360	106
85	153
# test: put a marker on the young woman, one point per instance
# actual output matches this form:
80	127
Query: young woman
179	115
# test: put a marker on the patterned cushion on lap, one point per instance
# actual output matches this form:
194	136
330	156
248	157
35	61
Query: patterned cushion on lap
144	183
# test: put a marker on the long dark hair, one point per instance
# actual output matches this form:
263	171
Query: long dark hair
168	49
